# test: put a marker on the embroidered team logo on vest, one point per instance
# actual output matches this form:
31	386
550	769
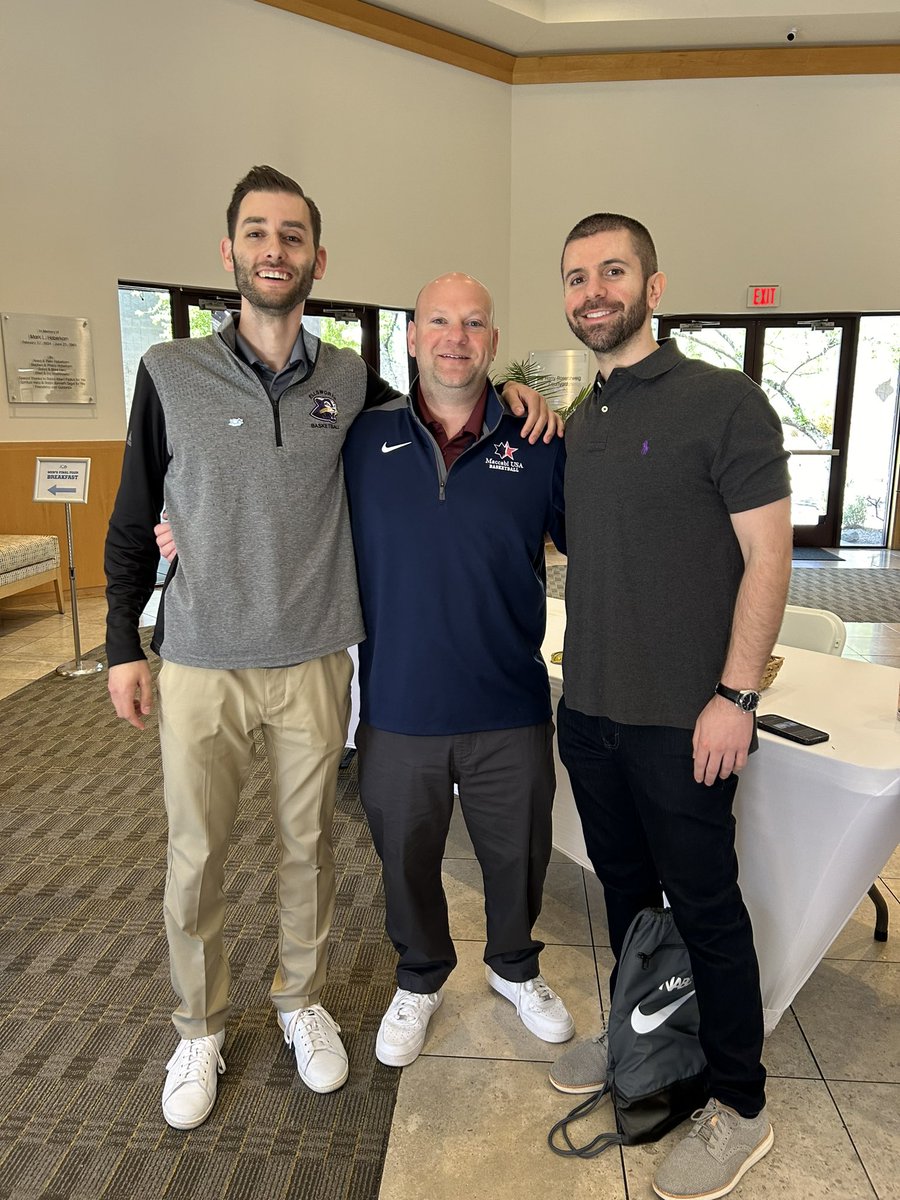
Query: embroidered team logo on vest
324	410
504	458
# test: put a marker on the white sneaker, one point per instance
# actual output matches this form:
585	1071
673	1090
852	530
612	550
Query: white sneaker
192	1077
321	1057
540	1009
401	1034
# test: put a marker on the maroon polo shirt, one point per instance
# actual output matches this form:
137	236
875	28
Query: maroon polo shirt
452	448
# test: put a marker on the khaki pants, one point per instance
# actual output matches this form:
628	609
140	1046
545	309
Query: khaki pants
206	722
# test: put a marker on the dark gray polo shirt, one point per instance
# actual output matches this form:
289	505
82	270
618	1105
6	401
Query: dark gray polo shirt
659	457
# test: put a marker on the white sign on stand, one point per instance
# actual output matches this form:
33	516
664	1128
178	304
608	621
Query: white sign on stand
62	480
65	481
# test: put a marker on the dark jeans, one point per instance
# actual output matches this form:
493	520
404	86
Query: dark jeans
506	783
647	827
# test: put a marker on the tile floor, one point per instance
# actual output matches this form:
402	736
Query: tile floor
35	638
473	1111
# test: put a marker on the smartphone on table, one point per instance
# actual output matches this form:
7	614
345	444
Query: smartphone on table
792	730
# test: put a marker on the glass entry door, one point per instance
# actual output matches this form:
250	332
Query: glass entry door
804	367
801	375
869	468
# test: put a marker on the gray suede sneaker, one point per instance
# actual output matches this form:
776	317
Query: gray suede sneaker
720	1148
582	1068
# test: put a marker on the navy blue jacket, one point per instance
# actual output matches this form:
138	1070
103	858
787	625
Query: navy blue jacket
451	571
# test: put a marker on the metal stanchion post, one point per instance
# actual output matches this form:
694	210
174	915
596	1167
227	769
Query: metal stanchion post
77	667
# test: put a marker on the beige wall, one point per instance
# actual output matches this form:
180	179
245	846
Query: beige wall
741	181
127	124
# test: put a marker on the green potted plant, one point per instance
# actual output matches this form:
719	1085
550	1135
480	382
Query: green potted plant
529	373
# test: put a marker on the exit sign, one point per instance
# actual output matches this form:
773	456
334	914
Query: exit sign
764	295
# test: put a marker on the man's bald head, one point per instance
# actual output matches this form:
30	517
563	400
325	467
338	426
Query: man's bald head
453	339
456	284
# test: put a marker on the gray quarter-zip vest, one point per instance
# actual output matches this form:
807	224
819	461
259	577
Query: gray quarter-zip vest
255	494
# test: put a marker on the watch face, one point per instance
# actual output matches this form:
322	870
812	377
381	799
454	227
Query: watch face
747	701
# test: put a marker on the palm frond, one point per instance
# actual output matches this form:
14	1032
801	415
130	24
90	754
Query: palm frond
529	373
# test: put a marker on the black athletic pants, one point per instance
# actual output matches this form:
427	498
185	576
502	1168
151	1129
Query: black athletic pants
506	783
648	827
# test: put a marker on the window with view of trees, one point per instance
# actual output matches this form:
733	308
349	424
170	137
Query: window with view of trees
834	384
151	313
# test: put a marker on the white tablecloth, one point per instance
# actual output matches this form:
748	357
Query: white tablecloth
354	698
815	824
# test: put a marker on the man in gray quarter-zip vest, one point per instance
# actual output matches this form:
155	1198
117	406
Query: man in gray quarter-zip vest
239	436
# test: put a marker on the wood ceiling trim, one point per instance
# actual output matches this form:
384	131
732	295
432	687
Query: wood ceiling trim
367	20
708	64
355	16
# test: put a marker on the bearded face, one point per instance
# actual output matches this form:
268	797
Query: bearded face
272	289
272	254
605	325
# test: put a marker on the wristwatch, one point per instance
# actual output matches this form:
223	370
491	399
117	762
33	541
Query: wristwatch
747	701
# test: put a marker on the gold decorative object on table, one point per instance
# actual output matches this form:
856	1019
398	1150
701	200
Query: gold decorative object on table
773	666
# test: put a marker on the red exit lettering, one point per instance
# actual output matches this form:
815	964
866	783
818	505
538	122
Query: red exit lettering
763	296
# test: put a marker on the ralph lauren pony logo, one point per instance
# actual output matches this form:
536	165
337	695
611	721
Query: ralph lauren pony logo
645	447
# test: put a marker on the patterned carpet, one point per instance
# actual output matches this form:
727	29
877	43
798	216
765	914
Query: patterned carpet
85	995
813	554
855	594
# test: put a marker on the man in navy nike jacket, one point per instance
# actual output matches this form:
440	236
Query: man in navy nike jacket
449	508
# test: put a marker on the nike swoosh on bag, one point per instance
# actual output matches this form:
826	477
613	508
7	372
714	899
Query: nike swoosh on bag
386	449
642	1023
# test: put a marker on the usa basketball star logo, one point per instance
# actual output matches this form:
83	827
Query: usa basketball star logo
504	458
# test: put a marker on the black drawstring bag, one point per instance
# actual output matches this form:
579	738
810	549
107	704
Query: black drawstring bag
657	1072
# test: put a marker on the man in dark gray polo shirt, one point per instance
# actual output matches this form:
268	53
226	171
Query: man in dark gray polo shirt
679	541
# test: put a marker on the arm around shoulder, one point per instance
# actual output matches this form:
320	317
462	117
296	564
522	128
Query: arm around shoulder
378	390
131	557
522	400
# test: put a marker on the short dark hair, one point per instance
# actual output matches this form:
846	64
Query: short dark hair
267	179
606	223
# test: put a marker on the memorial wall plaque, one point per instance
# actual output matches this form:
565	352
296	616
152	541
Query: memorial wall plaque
48	359
569	369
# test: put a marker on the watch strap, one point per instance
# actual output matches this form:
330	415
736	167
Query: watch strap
747	700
